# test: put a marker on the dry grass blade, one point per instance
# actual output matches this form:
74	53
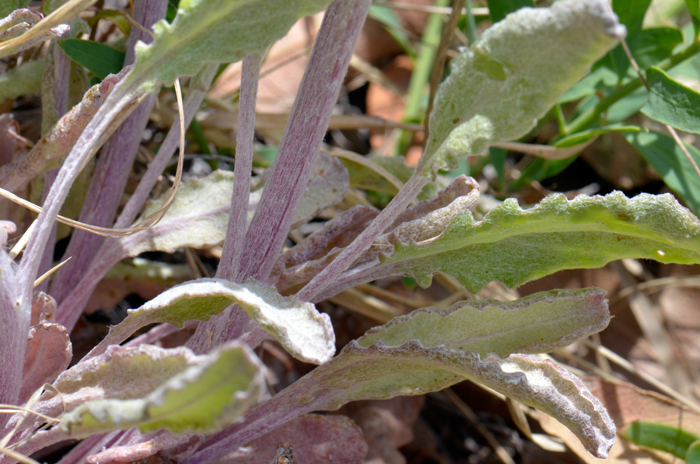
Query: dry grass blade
48	273
22	242
626	365
62	15
368	306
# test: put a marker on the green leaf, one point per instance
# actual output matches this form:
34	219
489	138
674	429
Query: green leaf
96	57
599	78
514	245
387	16
538	323
299	327
631	13
664	154
660	436
694	10
203	398
517	71
24	79
583	136
206	31
693	454
672	103
8	6
498	9
655	44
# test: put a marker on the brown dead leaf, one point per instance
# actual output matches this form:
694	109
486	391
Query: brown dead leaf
386	425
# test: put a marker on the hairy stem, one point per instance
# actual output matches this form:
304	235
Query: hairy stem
113	168
303	136
397	205
72	305
233	246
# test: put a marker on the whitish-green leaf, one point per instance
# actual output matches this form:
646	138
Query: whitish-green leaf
118	373
95	56
672	103
514	245
206	31
539	323
202	398
307	334
518	69
660	436
383	372
664	154
197	218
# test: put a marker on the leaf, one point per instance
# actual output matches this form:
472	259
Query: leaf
382	372
631	14
662	152
539	323
693	454
660	436
655	44
8	6
597	79
694	10
672	103
24	79
299	327
118	373
517	70
197	218
202	398
49	352
327	187
207	31
498	9
583	136
97	57
514	245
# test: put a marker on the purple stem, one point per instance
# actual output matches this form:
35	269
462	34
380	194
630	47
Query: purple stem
110	253
397	205
233	246
14	326
60	88
113	168
303	136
